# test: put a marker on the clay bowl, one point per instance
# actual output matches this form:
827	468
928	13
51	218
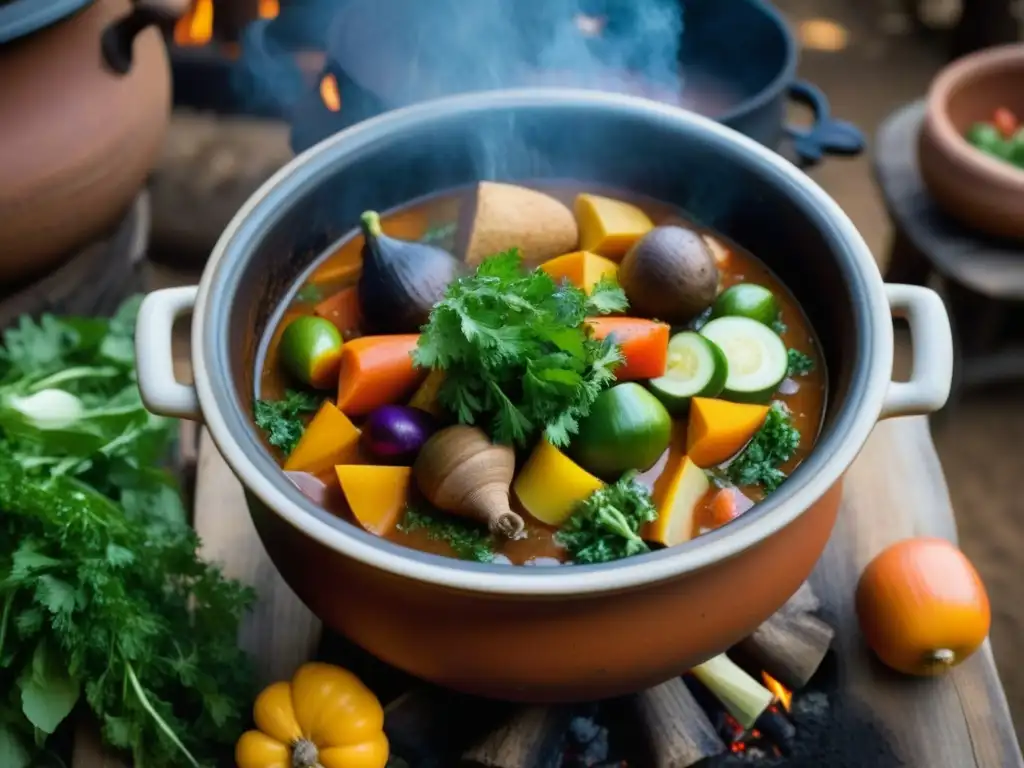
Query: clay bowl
77	139
981	192
535	634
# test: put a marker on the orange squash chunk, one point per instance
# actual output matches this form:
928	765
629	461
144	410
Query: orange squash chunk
609	227
375	494
677	507
329	439
581	268
718	429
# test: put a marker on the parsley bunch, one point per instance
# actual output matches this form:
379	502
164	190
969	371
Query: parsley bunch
606	525
516	353
281	420
771	447
103	599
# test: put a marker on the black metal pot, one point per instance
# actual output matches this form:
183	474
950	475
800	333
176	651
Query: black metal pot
739	49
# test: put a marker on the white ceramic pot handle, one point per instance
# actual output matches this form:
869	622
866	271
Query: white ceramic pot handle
932	343
161	392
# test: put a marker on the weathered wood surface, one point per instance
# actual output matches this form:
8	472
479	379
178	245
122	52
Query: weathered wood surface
894	490
280	632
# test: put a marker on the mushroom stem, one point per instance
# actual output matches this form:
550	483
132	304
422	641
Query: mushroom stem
305	754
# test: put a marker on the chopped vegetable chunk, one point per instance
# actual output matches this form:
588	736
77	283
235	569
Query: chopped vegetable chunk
582	269
718	429
551	484
329	439
376	495
677	509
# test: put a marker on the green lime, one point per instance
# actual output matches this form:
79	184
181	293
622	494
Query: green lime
627	428
310	351
747	300
696	367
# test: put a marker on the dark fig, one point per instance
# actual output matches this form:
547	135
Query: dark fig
401	280
669	274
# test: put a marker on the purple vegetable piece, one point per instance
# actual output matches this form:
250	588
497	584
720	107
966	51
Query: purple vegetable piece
395	433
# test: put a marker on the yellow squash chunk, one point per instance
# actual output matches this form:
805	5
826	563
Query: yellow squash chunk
376	495
582	268
329	439
551	484
425	397
677	507
718	429
609	227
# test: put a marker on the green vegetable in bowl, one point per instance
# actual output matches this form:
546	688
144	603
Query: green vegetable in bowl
988	139
696	367
772	446
607	524
747	300
756	356
310	351
281	420
627	428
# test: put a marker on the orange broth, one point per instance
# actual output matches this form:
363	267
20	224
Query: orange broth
338	271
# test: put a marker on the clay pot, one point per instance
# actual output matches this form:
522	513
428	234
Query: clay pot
980	191
76	138
582	631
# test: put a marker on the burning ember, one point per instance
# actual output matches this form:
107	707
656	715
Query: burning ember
195	27
330	94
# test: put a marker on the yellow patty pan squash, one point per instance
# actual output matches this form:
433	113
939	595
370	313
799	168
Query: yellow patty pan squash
324	718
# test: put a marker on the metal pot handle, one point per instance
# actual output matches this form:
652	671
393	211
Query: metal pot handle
932	340
161	392
118	38
826	135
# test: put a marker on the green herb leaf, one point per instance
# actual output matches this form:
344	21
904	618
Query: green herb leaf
779	327
515	352
771	447
13	752
48	692
468	542
282	419
799	363
606	525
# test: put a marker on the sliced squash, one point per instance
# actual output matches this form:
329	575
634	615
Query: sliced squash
718	429
551	484
581	268
425	397
609	227
376	495
677	507
329	439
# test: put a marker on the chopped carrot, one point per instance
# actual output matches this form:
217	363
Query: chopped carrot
644	345
376	371
329	439
1005	121
342	309
726	505
718	429
376	495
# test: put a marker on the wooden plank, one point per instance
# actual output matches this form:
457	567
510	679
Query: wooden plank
894	490
279	633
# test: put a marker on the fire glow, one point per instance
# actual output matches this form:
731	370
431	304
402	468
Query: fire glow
330	94
782	694
195	27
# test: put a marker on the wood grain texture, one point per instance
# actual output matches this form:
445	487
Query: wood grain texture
895	490
280	632
676	729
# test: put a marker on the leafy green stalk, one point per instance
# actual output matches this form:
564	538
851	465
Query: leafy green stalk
606	525
104	599
281	420
516	353
800	364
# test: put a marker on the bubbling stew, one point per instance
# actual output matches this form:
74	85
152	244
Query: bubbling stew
539	376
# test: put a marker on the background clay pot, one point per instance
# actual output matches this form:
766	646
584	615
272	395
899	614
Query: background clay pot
76	139
980	191
546	634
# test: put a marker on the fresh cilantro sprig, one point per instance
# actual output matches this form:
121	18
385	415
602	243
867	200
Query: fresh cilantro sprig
800	364
468	542
772	446
104	602
515	352
281	420
606	525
